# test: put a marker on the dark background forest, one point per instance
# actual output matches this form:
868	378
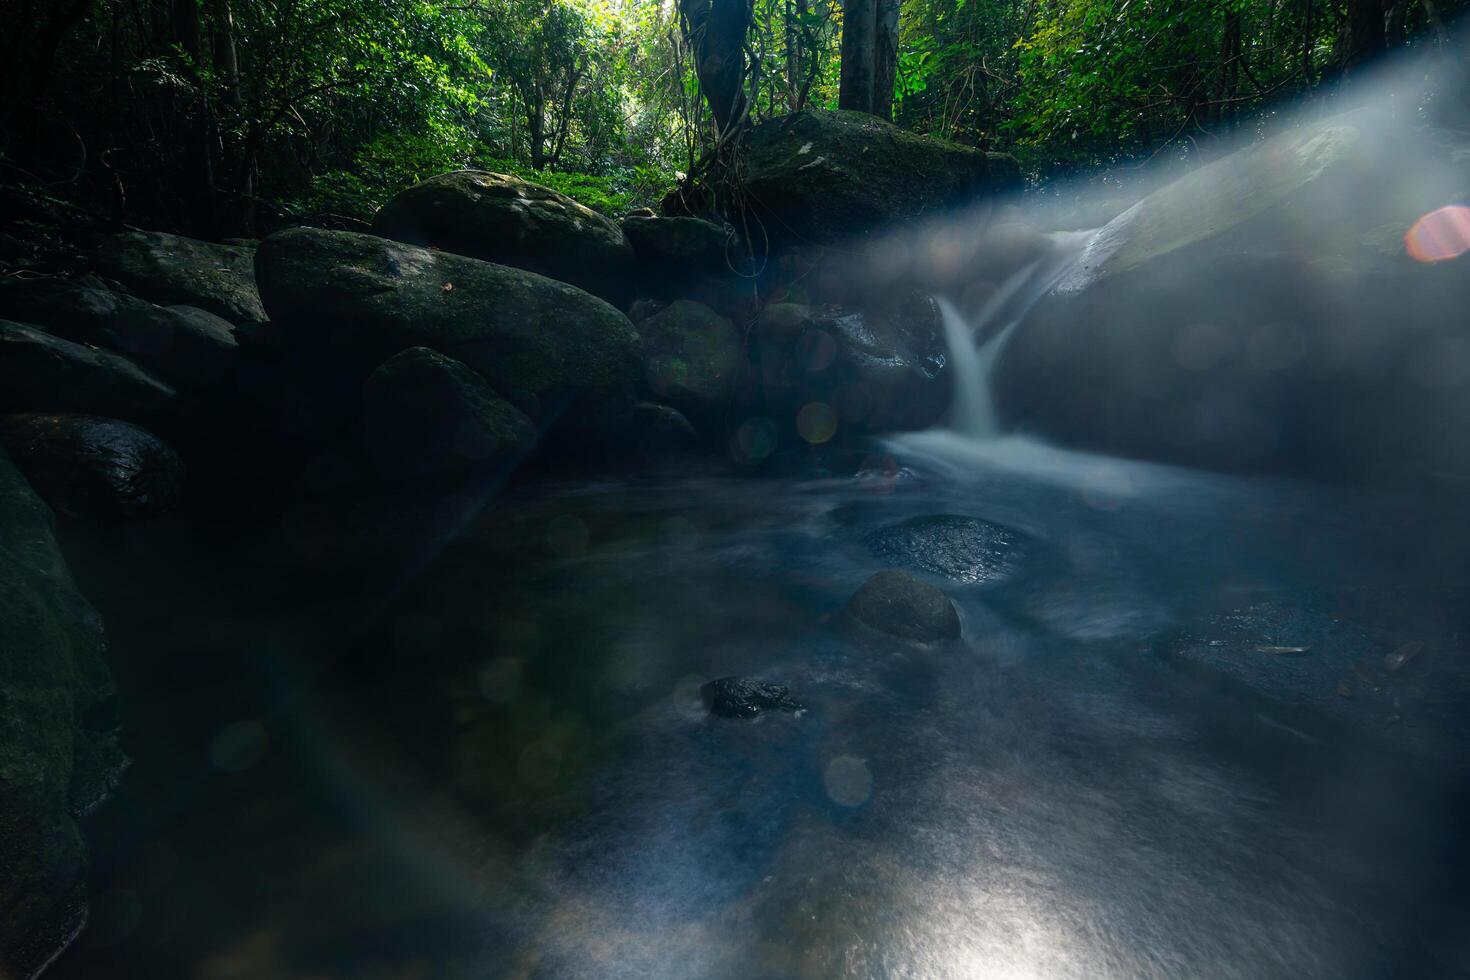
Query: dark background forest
232	117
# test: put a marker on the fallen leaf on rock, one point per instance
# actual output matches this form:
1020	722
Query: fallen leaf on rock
448	287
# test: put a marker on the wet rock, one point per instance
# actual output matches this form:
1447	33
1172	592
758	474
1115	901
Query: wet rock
428	417
173	269
43	373
900	605
736	697
694	357
831	176
58	752
190	348
684	258
965	549
514	222
94	468
661	433
1400	657
554	351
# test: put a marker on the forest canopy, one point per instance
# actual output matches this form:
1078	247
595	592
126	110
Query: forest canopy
231	116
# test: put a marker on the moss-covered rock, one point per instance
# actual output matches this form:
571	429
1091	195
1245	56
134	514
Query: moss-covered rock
694	358
58	755
553	350
514	222
428	417
829	176
173	269
899	605
42	373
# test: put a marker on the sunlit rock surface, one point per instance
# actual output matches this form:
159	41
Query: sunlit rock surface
172	269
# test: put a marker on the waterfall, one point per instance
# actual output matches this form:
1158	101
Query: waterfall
974	414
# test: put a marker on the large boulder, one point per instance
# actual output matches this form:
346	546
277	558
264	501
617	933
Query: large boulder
684	257
42	373
173	269
94	468
881	369
190	348
427	417
829	176
513	222
1262	314
58	748
694	356
897	604
550	348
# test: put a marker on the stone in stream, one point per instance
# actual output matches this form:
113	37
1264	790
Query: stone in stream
43	373
965	549
173	269
59	755
513	222
899	605
559	354
94	468
736	697
428	417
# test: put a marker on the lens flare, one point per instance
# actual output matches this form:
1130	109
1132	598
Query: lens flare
1440	235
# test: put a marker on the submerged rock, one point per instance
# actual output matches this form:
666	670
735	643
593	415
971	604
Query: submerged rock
965	549
94	468
43	373
429	417
174	269
514	222
828	176
58	749
736	697
899	605
556	352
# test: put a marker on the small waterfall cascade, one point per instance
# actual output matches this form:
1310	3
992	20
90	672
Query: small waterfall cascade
974	414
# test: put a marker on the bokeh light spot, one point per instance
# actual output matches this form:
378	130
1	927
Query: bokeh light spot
1440	235
816	422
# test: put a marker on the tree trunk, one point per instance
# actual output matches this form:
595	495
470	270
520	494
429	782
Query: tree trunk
225	55
885	67
859	55
1366	38
716	30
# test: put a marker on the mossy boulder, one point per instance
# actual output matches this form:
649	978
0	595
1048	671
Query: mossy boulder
694	359
427	417
829	176
43	373
897	604
498	218
58	750
188	347
173	269
557	353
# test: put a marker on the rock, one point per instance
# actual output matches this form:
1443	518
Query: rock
42	373
173	269
831	176
514	222
964	549
58	747
661	433
693	359
876	371
1245	318
736	697
94	468
549	348
684	258
188	347
428	417
899	605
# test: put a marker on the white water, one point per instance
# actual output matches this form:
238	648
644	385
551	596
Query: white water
974	414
